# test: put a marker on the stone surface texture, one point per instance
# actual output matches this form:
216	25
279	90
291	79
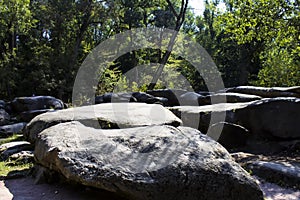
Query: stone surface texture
153	162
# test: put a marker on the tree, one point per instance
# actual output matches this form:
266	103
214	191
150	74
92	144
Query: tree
15	21
179	21
63	33
235	61
275	26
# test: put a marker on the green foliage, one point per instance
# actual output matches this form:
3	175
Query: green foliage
108	80
274	24
279	69
9	167
15	21
43	43
12	138
235	61
138	78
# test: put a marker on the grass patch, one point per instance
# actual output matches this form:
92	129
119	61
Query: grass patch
13	168
7	170
13	138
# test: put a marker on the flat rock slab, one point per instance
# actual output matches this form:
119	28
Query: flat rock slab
269	118
106	116
21	104
267	92
153	162
277	172
199	117
229	97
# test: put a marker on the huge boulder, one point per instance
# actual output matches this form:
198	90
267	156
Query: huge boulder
267	92
22	104
271	119
145	163
106	116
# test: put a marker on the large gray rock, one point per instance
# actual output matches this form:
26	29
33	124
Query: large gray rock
195	99
108	115
267	92
4	117
8	130
199	117
277	172
22	104
277	169
276	118
154	162
227	98
232	137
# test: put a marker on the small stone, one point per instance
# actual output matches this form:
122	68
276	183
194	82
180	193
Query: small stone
11	148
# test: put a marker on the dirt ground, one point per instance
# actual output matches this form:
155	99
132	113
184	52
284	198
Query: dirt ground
25	189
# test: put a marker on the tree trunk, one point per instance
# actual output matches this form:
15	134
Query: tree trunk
179	21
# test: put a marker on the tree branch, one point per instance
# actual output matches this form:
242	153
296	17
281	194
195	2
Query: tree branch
172	8
179	21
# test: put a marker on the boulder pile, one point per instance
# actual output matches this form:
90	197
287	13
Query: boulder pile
14	117
159	144
248	118
138	151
